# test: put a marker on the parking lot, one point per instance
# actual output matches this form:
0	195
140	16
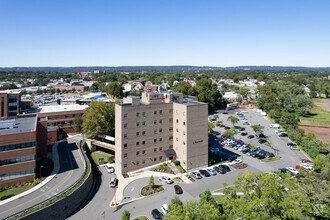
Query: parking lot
278	145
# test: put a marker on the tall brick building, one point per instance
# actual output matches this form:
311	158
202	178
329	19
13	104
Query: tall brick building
160	126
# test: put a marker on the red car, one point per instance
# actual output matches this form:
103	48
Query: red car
306	161
218	124
298	168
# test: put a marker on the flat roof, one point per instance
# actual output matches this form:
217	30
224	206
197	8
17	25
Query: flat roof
61	108
20	124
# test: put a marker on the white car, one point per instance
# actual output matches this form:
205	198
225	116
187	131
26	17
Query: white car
292	170
211	172
109	168
166	179
164	209
237	161
277	131
307	166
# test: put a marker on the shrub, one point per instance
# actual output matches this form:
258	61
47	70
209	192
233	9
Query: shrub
126	215
177	163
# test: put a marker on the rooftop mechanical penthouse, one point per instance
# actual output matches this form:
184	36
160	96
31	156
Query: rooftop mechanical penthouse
161	126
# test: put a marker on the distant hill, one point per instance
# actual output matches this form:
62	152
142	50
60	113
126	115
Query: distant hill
158	68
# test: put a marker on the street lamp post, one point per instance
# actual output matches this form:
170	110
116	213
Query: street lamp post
40	171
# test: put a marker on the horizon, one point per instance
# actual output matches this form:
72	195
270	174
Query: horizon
164	33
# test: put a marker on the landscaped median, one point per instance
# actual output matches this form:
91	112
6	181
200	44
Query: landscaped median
151	188
50	205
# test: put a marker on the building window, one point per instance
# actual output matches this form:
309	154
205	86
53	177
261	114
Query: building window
160	121
137	153
143	152
160	158
57	116
125	146
155	149
137	134
160	130
170	147
143	142
155	122
137	124
125	125
155	112
170	129
160	139
137	162
184	123
50	117
143	133
137	143
143	161
177	139
155	159
73	115
138	114
160	112
155	140
125	115
125	135
177	130
184	143
184	133
125	165
170	120
143	114
66	116
171	111
125	155
160	149
171	138
155	131
143	123
177	121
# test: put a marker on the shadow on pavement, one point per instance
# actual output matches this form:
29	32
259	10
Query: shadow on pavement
66	157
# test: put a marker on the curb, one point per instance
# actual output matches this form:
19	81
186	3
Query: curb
56	169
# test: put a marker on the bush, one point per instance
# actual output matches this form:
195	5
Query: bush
177	163
126	215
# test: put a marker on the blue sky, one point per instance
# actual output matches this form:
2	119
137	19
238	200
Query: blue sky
164	32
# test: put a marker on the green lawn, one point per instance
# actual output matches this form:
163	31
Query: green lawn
219	199
318	115
178	179
100	154
13	192
141	218
319	100
181	169
270	159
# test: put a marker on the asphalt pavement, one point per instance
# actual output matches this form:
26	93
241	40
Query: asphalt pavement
72	168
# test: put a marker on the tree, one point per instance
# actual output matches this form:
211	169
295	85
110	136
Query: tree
230	132
258	129
289	119
210	126
99	119
182	87
58	101
114	89
151	182
126	215
216	116
58	91
78	123
206	197
233	120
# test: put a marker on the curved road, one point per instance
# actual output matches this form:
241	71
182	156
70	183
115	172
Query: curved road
71	169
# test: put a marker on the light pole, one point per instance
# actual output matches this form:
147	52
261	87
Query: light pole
40	171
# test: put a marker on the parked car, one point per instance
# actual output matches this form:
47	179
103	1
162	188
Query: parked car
178	189
245	123
290	144
278	131
251	136
242	129
219	169
218	124
244	133
294	148
225	113
156	214
113	182
282	134
270	155
196	175
306	166
166	179
216	133
226	128
261	141
232	158
306	161
298	168
222	126
246	150
164	209
225	167
262	135
260	156
204	173
237	161
109	168
211	172
244	119
292	170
